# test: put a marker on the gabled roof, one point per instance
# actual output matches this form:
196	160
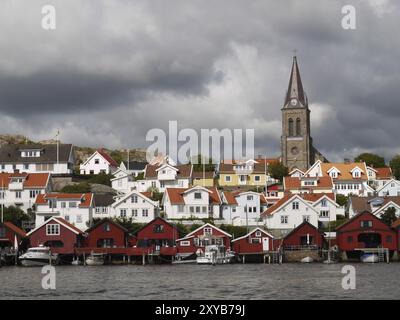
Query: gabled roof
11	153
361	204
388	183
30	180
358	216
14	229
229	198
184	171
105	156
290	197
207	225
294	183
144	195
345	170
383	173
107	220
251	232
301	226
154	220
61	221
175	195
86	197
296	170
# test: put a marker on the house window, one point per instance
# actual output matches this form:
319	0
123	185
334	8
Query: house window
197	209
158	228
249	198
63	204
33	193
145	212
356	174
96	161
106	227
197	195
153	184
366	224
324	213
295	205
122	213
255	240
258	233
52	204
181	208
184	243
72	204
257	178
67	218
306	218
207	230
191	209
233	209
26	166
324	203
134	199
284	219
162	184
78	218
134	213
204	209
333	174
227	178
18	194
53	230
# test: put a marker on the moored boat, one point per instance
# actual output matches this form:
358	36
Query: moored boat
37	256
369	258
214	254
95	259
307	260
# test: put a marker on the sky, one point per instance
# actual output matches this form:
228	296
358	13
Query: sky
113	70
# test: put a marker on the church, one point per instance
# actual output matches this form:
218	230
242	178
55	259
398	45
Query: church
297	150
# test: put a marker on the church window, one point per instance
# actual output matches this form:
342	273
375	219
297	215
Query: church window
291	131
298	130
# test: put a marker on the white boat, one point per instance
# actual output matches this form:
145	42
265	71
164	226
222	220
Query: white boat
95	259
37	256
369	258
307	260
76	262
214	254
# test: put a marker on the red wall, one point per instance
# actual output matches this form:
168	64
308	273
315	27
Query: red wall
244	245
294	238
170	232
353	229
192	248
116	233
69	239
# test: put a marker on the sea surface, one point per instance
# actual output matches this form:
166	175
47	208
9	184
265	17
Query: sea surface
236	281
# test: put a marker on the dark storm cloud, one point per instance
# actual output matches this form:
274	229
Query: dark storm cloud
113	70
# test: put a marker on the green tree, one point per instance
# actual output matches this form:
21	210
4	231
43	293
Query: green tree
101	178
341	200
371	159
389	216
15	215
277	170
200	160
395	165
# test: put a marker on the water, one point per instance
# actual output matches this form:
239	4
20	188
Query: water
236	281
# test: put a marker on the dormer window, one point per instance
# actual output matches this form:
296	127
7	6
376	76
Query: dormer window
356	174
207	231
197	195
333	174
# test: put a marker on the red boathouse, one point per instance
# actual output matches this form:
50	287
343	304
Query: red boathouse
58	234
106	234
365	231
257	241
207	234
11	236
304	236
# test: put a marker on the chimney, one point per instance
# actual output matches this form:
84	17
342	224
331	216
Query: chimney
346	160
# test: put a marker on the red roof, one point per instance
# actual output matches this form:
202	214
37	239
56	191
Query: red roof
31	180
87	198
383	173
275	206
230	198
291	183
69	225
106	156
15	229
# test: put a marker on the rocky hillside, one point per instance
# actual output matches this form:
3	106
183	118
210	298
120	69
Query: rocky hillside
81	153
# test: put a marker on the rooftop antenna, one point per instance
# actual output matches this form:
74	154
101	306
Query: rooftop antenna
58	146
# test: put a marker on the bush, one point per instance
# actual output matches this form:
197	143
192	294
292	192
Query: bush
341	200
15	215
82	187
101	178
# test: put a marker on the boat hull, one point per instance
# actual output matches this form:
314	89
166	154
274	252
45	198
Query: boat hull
94	262
369	258
26	262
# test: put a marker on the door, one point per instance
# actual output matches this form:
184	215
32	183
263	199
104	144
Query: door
265	243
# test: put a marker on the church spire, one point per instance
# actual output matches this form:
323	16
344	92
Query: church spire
295	89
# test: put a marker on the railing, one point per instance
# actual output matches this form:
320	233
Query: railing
301	247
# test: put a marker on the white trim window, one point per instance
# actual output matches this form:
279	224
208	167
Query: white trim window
324	214
145	212
295	205
227	178
284	219
53	229
258	233
306	218
207	230
184	243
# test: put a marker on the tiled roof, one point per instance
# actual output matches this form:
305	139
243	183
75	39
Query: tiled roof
292	183
87	198
11	153
278	204
230	198
312	197
383	173
109	159
361	204
345	170
32	180
184	171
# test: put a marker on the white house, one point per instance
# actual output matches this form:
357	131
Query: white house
76	208
293	209
391	188
99	162
124	182
349	178
243	208
375	205
136	205
196	202
32	158
165	176
133	167
378	177
21	189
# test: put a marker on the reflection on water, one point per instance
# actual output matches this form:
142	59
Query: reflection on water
250	281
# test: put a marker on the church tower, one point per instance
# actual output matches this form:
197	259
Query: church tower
296	142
